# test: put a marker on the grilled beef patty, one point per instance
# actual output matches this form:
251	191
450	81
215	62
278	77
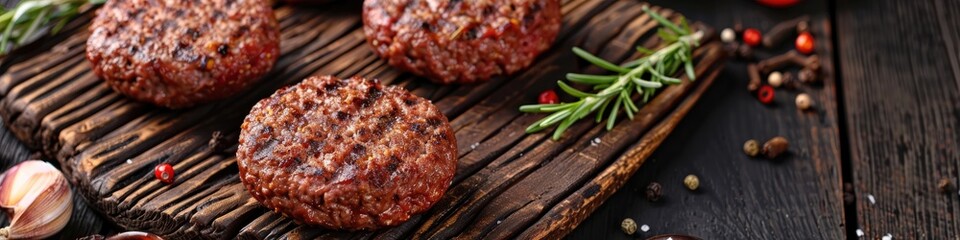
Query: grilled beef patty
346	154
178	53
451	41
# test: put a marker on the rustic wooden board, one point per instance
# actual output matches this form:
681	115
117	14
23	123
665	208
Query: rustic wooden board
902	101
508	183
797	197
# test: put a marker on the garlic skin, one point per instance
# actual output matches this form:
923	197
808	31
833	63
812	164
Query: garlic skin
37	198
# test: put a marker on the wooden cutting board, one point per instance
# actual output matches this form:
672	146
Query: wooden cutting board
508	184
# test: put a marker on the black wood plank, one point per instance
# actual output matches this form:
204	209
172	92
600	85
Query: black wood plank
900	62
798	197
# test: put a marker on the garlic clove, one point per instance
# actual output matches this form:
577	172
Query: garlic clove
37	198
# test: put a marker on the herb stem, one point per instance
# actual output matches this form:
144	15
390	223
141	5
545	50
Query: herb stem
642	76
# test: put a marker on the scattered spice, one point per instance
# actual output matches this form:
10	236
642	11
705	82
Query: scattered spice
755	81
775	79
745	52
774	147
751	148
752	36
807	75
548	97
804	101
628	226
654	191
765	94
728	35
164	172
805	43
691	182
944	185
783	31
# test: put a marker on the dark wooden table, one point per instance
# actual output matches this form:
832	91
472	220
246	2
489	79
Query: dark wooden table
887	126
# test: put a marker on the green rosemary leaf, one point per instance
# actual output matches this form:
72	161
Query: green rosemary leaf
539	108
644	50
556	117
562	128
591	79
663	21
690	73
629	102
645	83
573	91
613	114
685	26
597	61
667	36
626	105
603	108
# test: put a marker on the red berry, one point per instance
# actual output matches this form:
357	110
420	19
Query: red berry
548	97
765	94
751	36
778	3
805	43
164	172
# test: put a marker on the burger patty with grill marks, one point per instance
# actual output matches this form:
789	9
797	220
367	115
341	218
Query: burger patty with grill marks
346	153
451	41
179	53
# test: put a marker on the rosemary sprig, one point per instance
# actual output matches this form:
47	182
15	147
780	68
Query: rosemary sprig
26	21
641	76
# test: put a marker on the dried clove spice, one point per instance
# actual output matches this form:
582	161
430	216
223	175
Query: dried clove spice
654	191
775	146
745	52
784	30
791	57
808	76
755	81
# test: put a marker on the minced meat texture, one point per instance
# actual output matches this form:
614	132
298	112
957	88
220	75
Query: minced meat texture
346	154
456	41
179	53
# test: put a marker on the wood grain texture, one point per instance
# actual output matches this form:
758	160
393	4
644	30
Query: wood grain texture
902	100
108	144
797	197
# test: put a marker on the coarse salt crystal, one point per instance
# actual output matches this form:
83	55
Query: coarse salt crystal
499	221
474	145
859	233
596	141
888	237
872	200
129	161
644	228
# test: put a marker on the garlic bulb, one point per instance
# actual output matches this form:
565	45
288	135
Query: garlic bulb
37	198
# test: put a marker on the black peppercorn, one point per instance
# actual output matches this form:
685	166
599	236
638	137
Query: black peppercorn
223	49
654	192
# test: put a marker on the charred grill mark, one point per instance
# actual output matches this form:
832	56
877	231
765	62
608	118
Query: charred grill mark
373	93
357	152
342	116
